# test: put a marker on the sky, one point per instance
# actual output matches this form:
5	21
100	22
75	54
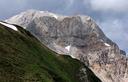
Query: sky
110	15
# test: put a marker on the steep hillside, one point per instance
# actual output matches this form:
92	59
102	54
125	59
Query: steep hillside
24	59
80	37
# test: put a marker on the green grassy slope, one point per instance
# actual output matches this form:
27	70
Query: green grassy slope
24	59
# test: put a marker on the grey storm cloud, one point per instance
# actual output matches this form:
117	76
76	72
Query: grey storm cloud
111	15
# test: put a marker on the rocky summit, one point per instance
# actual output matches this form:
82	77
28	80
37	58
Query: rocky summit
81	38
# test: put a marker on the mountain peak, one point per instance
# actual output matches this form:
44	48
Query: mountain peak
29	15
25	18
88	42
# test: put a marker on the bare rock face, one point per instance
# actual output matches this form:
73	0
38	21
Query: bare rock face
80	37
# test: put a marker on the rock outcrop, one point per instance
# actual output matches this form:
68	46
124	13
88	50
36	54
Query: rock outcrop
80	37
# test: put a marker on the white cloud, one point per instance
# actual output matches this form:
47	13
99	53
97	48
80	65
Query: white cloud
109	5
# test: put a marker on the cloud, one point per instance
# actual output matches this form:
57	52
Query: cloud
115	29
109	5
11	7
77	7
51	5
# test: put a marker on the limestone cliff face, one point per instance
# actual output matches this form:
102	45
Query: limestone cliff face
80	37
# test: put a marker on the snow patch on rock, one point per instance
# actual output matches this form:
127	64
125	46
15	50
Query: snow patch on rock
73	56
9	25
88	18
106	44
68	47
